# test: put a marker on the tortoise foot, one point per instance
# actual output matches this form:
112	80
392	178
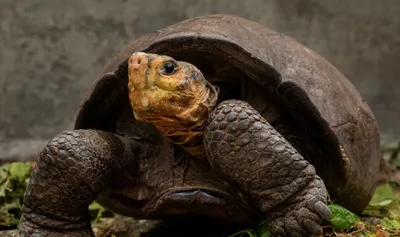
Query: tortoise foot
72	169
251	153
301	215
28	228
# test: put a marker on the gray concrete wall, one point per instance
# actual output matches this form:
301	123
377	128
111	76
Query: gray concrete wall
52	50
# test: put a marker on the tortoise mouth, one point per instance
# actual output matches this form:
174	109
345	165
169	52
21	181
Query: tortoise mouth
204	202
191	198
196	196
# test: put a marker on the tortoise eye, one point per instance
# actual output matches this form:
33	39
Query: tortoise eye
169	68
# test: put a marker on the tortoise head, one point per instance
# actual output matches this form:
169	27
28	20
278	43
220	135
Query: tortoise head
172	95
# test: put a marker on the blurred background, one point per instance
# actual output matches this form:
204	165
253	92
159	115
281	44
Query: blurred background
51	51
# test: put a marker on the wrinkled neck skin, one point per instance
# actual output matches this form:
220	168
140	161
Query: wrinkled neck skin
187	129
178	105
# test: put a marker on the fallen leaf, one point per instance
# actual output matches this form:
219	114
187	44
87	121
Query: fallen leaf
381	233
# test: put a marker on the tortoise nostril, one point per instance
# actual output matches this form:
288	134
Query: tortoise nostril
135	60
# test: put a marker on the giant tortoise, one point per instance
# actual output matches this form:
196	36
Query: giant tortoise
215	116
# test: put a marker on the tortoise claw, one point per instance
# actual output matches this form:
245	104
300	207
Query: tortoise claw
323	210
302	215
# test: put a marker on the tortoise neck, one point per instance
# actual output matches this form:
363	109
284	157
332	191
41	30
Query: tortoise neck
191	141
196	147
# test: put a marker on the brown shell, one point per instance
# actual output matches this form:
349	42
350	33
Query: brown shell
312	89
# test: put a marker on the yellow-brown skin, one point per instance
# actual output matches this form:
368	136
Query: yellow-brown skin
172	95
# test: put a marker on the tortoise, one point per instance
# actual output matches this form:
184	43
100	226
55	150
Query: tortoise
215	116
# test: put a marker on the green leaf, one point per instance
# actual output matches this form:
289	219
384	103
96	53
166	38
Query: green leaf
390	224
13	181
383	195
264	230
3	173
341	217
96	210
95	206
266	234
250	233
383	202
19	171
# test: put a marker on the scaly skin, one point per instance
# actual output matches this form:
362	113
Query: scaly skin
242	145
72	170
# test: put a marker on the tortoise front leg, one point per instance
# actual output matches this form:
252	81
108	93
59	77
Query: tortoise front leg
73	168
245	148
